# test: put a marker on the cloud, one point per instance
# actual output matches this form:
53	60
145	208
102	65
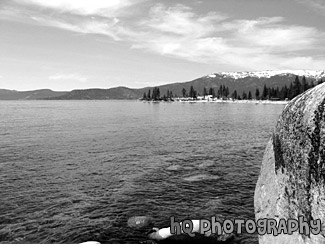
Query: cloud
180	20
262	43
316	5
181	32
272	34
90	26
81	16
75	77
82	7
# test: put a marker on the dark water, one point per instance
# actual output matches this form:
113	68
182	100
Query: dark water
76	171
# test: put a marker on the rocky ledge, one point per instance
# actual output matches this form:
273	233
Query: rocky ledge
292	178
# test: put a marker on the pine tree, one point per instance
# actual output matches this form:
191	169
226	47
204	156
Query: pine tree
149	95
205	93
234	95
227	92
296	87
277	92
219	93
264	93
193	93
211	92
144	96
249	95
291	91
284	93
184	92
257	94
155	94
158	94
304	84
271	92
223	91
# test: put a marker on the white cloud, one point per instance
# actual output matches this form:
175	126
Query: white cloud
180	20
75	77
90	26
262	43
105	8
178	31
82	16
272	33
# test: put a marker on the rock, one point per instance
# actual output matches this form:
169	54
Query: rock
292	177
139	222
91	242
201	177
174	167
226	237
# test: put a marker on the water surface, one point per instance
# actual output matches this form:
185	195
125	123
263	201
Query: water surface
72	171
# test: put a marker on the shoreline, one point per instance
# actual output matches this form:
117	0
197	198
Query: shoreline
238	101
224	101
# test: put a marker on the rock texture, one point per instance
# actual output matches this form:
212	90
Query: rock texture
292	177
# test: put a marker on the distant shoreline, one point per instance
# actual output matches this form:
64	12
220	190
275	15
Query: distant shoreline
224	101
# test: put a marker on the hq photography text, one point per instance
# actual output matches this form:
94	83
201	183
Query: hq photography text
238	226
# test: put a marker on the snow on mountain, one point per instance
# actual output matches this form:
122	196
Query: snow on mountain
316	74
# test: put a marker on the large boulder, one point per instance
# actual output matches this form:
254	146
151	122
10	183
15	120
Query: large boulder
292	177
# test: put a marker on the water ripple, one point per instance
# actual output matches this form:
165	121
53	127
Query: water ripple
76	171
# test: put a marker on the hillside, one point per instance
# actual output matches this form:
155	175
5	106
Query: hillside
101	94
28	95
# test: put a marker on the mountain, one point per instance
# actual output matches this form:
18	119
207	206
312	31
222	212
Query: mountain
101	94
241	81
316	74
28	95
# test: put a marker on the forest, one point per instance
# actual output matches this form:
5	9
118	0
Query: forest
267	93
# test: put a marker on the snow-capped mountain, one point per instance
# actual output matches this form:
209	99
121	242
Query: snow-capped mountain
239	81
315	74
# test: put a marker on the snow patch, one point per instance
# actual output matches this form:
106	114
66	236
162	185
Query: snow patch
316	74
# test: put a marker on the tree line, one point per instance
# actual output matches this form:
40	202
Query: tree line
268	93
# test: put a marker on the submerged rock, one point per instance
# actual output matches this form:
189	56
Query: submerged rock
292	177
201	177
174	167
90	242
139	222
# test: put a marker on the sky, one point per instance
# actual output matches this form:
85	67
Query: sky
77	44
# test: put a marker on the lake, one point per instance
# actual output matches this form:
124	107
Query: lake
72	171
